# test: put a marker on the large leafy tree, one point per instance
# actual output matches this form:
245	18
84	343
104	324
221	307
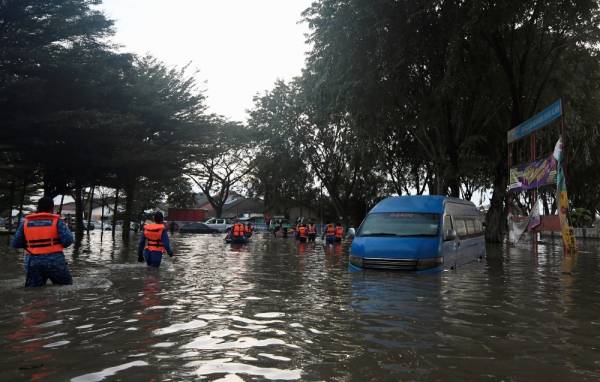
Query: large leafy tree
220	163
449	77
78	115
531	43
280	172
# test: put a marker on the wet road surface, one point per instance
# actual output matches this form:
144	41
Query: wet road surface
274	310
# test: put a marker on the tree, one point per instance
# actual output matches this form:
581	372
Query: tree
531	42
280	174
220	164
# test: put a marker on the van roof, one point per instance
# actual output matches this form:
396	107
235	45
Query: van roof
416	203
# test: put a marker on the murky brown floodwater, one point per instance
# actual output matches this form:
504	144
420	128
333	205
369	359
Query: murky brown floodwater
274	311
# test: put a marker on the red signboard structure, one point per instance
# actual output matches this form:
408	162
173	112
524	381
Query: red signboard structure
186	214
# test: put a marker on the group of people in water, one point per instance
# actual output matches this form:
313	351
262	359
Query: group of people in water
44	235
239	233
333	233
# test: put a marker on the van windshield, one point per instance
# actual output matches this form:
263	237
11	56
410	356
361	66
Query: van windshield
400	224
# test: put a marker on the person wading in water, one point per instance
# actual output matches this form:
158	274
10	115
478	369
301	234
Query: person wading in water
158	242
44	235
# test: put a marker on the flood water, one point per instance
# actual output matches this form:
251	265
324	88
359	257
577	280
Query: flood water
273	310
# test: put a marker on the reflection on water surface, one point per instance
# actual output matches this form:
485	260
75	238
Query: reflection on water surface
274	310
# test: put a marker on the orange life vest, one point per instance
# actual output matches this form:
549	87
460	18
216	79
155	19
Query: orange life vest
238	230
312	228
302	231
41	234
330	231
153	233
339	231
248	229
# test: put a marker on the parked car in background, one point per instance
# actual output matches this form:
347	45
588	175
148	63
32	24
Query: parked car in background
197	228
220	225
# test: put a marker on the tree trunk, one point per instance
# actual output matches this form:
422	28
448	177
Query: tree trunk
62	200
23	192
451	174
11	199
102	219
495	218
91	202
78	213
455	188
129	197
114	219
545	204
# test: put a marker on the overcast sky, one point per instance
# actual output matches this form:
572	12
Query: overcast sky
240	46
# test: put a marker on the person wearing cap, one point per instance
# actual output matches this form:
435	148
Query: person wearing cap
44	236
157	240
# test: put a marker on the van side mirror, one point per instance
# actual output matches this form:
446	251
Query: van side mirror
351	232
451	235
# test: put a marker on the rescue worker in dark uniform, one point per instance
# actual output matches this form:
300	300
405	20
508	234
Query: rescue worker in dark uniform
44	235
158	242
312	231
249	230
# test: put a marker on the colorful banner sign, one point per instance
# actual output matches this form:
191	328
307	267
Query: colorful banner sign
536	122
563	201
532	175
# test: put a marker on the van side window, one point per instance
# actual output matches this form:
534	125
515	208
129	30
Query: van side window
447	225
479	226
471	230
460	226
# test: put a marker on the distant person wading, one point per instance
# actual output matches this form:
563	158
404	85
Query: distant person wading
158	242
329	233
44	235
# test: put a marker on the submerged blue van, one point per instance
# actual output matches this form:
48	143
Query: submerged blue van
418	233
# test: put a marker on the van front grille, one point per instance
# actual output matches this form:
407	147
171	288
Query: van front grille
399	264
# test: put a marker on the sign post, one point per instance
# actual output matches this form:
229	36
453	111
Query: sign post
541	172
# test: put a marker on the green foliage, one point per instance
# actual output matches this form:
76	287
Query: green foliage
220	162
280	173
77	114
434	86
580	217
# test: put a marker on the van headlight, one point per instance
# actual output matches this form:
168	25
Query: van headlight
428	263
355	260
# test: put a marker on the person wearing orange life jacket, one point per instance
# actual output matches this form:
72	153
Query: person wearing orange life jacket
237	233
44	235
157	242
339	233
312	231
329	233
303	233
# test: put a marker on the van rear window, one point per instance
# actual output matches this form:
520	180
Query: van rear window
400	224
